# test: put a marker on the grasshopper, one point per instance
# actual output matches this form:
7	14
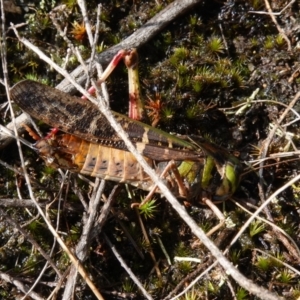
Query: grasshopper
90	146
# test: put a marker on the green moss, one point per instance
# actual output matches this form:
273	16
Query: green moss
280	41
71	4
185	267
269	42
149	209
286	277
242	294
256	227
263	263
179	55
215	45
194	111
235	255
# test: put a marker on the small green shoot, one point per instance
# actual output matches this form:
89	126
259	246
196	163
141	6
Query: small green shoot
213	288
185	267
263	263
167	113
128	286
235	256
194	111
280	41
241	294
269	42
190	295
285	277
215	45
149	209
256	227
179	55
195	20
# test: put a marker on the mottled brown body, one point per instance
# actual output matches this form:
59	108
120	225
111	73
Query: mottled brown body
92	147
82	118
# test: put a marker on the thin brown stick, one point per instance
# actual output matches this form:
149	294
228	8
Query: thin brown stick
27	203
128	270
22	287
30	238
273	13
267	142
280	30
82	248
148	243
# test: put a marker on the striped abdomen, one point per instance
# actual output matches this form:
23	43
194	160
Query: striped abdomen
77	155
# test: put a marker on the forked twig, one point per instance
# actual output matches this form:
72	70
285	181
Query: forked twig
280	30
272	13
272	132
294	250
266	203
82	247
128	270
20	286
